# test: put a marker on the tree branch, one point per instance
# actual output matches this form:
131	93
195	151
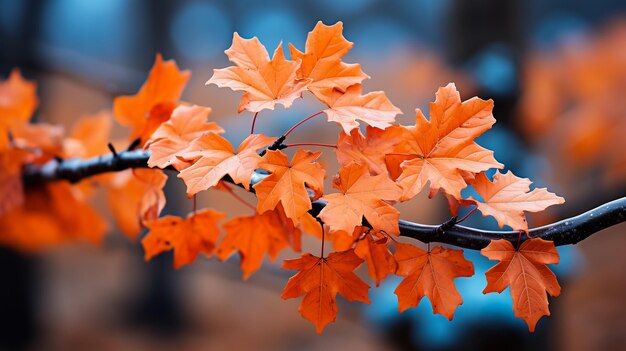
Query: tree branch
565	232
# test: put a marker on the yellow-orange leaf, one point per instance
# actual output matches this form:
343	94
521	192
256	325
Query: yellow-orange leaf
439	151
287	184
362	195
214	157
163	87
507	197
369	150
18	101
254	236
188	237
321	61
175	135
430	273
265	82
136	196
526	273
320	280
89	136
347	107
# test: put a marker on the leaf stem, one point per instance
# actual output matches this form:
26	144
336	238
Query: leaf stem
301	122
312	144
467	215
323	240
253	123
239	198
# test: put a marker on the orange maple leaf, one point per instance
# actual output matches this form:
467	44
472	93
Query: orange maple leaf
430	273
89	136
213	157
370	246
11	188
254	236
321	61
507	197
525	272
287	184
154	101
136	196
347	107
173	137
265	82
188	237
320	280
18	101
362	195
439	151
369	150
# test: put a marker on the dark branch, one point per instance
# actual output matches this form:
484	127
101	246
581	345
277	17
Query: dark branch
565	232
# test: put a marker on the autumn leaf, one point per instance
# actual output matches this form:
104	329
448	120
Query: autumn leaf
155	99
188	237
254	236
321	61
136	196
442	150
287	184
361	196
431	274
507	197
320	280
18	101
347	107
173	137
11	187
265	82
213	158
525	272
89	136
370	149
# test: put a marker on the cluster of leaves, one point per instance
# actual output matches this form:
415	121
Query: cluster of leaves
387	164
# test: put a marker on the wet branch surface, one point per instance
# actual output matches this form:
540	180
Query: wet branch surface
565	232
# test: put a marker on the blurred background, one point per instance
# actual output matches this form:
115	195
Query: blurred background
556	70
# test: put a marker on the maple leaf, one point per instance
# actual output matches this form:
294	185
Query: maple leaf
369	150
321	61
11	187
213	157
441	151
188	237
174	136
362	195
347	107
18	101
370	246
287	184
254	236
507	197
136	196
154	101
265	82
430	273
320	280
525	272
89	136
